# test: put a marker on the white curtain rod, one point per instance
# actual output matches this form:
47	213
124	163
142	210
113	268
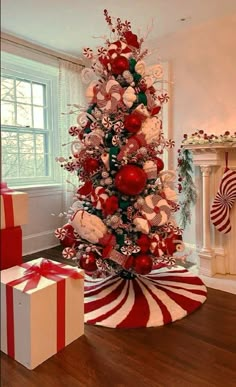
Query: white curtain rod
39	49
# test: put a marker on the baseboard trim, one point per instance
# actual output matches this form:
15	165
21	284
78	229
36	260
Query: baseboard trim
39	241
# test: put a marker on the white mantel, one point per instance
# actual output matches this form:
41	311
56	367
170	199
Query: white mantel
218	251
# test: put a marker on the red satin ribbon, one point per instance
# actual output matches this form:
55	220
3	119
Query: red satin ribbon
33	274
8	210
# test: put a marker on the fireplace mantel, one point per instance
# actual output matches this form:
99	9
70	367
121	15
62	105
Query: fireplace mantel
217	253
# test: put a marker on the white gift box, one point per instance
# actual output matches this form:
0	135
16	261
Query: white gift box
37	323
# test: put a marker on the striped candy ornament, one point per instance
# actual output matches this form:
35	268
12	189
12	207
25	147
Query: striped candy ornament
164	296
109	96
224	200
98	197
156	210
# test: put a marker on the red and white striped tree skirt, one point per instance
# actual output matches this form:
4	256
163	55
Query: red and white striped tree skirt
159	298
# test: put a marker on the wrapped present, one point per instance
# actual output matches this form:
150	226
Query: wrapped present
10	247
42	310
14	207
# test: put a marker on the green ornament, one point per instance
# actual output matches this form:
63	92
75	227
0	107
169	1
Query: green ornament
137	77
142	98
132	64
87	130
120	238
113	152
108	139
124	204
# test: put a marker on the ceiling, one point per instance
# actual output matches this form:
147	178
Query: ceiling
69	25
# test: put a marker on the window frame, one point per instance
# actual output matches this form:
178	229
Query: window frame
29	70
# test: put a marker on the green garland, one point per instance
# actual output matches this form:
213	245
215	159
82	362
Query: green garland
186	186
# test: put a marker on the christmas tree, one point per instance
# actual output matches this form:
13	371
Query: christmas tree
122	222
124	219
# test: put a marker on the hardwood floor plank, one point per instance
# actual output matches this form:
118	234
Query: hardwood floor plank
197	351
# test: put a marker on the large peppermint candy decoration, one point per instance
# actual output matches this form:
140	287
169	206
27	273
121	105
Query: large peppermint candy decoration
98	197
223	202
156	210
109	96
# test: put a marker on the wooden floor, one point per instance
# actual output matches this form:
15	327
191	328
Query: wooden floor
199	350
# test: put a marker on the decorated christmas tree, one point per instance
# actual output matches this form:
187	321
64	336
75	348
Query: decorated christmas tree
121	224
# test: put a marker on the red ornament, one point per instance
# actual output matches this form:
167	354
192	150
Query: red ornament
111	205
69	239
130	180
91	165
144	243
88	262
119	64
159	163
86	189
131	39
133	122
173	243
129	263
142	264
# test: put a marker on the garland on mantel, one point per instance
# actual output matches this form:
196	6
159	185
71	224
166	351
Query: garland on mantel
201	138
186	186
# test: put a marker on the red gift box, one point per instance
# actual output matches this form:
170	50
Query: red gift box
14	207
11	247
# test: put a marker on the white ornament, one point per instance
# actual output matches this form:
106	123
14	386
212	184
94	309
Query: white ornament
150	169
167	177
142	225
151	128
87	75
129	97
170	194
89	227
156	71
140	67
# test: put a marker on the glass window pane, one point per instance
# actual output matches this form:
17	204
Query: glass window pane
26	143
41	165
23	91
9	142
7	113
24	115
38	117
27	165
38	94
7	89
9	165
39	143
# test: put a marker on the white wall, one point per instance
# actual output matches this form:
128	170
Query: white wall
202	64
38	234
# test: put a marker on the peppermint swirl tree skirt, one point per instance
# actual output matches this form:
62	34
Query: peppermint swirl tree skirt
159	298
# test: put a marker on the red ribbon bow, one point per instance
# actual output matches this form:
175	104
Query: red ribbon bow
46	269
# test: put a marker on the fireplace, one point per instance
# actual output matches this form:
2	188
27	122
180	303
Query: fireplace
217	251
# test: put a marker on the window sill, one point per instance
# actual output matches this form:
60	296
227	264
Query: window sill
40	190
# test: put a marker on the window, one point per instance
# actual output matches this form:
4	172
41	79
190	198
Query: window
28	123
